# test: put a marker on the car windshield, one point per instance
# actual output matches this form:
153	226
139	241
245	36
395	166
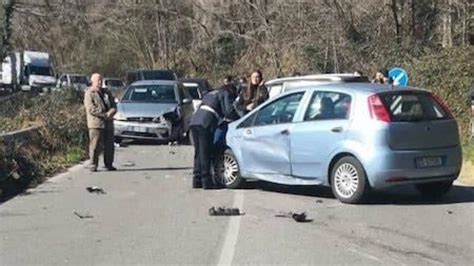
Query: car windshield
113	83
151	93
79	79
40	70
193	89
410	107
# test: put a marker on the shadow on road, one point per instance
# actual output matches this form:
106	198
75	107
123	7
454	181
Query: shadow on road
403	195
407	195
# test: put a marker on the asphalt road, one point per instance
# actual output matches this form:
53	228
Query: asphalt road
150	215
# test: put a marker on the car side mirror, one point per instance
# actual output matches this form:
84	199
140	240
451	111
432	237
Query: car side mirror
186	101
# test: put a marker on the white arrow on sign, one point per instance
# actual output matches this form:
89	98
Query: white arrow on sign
397	79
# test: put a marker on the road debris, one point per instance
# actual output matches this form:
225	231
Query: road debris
172	152
129	164
223	211
83	216
174	143
319	201
96	190
298	217
450	212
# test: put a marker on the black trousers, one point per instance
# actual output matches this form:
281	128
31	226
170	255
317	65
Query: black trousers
202	138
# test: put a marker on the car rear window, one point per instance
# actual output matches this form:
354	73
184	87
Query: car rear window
151	93
79	79
410	107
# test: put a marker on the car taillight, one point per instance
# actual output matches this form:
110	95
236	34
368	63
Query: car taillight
442	104
378	110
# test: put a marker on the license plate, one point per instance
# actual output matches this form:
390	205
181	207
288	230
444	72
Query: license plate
139	129
428	162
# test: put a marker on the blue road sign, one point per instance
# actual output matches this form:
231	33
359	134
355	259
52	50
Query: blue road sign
399	76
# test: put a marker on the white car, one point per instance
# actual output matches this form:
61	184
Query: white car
113	84
197	88
76	81
281	85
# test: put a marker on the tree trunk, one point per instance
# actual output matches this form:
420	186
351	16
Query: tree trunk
7	27
398	31
447	25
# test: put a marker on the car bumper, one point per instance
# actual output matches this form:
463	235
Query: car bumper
391	167
146	131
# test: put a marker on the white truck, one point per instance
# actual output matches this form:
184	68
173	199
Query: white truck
28	71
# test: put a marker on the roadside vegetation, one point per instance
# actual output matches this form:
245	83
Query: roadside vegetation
59	143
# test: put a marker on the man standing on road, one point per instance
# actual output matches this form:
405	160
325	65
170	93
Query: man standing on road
100	109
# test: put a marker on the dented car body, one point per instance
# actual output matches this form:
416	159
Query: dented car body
154	110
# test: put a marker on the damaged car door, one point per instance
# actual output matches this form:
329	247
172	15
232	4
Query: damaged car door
266	142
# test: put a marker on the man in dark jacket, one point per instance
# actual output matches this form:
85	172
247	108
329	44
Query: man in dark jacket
203	125
227	95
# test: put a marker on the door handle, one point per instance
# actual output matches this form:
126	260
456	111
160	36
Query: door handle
337	129
248	132
285	132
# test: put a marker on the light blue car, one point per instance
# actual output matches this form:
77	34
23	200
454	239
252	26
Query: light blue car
352	136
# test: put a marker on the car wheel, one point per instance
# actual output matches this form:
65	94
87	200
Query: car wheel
435	189
228	172
348	180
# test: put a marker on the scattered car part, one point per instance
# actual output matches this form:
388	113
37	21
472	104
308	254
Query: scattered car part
83	216
95	189
223	211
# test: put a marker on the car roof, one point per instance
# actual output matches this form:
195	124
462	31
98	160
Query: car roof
364	87
194	80
339	77
112	79
154	82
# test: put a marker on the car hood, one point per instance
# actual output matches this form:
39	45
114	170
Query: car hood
145	109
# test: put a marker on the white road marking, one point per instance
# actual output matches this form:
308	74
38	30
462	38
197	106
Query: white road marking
228	249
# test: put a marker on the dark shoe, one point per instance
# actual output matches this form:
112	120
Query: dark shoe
111	168
197	182
207	183
93	169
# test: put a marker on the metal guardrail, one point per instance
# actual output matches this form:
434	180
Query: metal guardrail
21	136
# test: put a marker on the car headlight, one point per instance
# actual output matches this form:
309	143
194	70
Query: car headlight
119	117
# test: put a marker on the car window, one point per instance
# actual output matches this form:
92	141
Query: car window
151	93
79	79
114	83
193	89
405	107
275	90
328	105
280	111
